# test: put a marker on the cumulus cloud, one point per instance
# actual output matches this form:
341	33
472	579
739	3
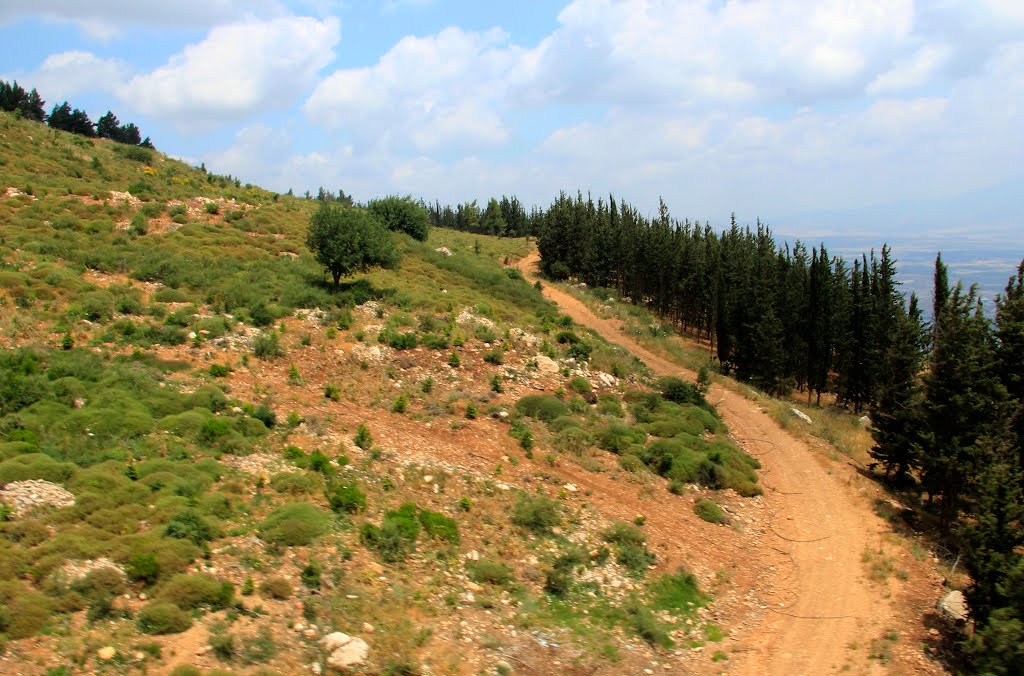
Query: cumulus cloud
432	92
238	70
62	76
104	19
710	53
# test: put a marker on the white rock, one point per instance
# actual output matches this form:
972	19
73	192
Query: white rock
570	487
352	652
954	606
800	414
106	653
546	364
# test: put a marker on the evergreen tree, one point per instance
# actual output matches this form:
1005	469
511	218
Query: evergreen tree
108	126
963	399
898	417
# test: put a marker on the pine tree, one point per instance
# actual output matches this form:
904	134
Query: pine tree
898	417
108	126
963	398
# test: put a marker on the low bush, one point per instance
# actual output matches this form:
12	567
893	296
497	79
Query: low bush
486	571
346	497
709	511
580	385
163	618
189	525
276	588
537	513
294	524
267	345
542	407
23	612
198	590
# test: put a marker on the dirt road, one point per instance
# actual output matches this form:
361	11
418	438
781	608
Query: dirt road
817	606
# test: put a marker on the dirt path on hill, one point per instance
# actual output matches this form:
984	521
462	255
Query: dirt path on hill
821	606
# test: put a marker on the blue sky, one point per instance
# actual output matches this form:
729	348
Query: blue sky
814	116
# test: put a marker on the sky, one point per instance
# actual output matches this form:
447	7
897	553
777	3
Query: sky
823	117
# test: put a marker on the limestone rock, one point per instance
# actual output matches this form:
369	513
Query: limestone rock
546	364
954	606
800	414
345	651
106	653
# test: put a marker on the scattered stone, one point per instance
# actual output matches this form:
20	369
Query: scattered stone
607	379
444	250
473	555
800	414
106	653
864	421
368	628
570	488
24	496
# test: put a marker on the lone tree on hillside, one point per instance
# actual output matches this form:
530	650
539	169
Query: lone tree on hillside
347	239
402	214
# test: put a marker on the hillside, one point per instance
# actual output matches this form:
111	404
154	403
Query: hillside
211	459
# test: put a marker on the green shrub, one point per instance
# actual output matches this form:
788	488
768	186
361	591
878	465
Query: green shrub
267	345
400	404
294	524
23	612
675	390
163	618
619	438
198	590
346	497
580	385
143	567
572	440
363	439
189	525
496	357
709	511
486	571
35	466
219	370
310	575
435	341
677	593
439	526
276	588
630	547
542	407
294	483
536	513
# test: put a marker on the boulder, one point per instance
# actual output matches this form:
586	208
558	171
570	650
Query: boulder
106	653
953	606
345	651
546	364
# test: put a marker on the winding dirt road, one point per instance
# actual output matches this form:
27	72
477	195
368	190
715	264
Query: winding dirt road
817	608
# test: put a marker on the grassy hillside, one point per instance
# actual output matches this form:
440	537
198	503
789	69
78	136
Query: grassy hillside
210	456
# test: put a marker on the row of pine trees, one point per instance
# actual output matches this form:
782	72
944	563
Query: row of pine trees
945	393
31	106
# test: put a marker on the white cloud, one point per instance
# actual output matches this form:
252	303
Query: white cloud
915	71
433	92
237	71
62	76
104	19
707	53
